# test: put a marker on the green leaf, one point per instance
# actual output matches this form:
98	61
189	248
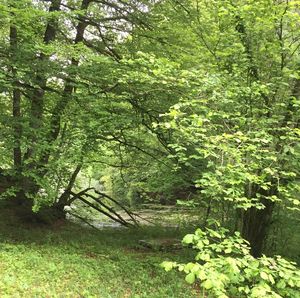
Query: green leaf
264	275
190	278
281	284
189	238
201	274
167	265
207	284
228	250
271	279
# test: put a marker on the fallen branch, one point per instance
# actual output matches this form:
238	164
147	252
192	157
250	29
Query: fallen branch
118	204
83	219
122	222
105	206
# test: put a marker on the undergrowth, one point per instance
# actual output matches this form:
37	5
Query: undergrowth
72	261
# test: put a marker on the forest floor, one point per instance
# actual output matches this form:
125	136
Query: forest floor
72	261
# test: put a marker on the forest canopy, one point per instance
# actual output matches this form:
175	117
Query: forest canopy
190	103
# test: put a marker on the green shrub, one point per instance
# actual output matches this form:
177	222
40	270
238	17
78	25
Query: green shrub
225	268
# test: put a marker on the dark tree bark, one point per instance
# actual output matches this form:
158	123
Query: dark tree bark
256	222
16	104
37	96
67	92
16	123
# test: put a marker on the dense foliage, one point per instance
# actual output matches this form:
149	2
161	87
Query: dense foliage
128	103
226	269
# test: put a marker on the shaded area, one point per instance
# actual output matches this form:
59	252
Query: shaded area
70	261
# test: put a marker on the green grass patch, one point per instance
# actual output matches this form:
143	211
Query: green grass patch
71	261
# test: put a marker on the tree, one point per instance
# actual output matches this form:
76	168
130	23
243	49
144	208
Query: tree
54	53
76	86
242	118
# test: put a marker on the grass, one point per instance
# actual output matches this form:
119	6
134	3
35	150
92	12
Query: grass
71	261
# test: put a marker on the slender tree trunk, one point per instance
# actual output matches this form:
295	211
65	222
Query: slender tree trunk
64	199
21	203
16	114
16	101
37	97
68	89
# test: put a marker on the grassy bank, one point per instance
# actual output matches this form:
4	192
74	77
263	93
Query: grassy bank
71	261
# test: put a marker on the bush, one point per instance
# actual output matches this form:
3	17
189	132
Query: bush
225	268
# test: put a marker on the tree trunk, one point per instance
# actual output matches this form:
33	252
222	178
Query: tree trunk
256	222
16	104
255	226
